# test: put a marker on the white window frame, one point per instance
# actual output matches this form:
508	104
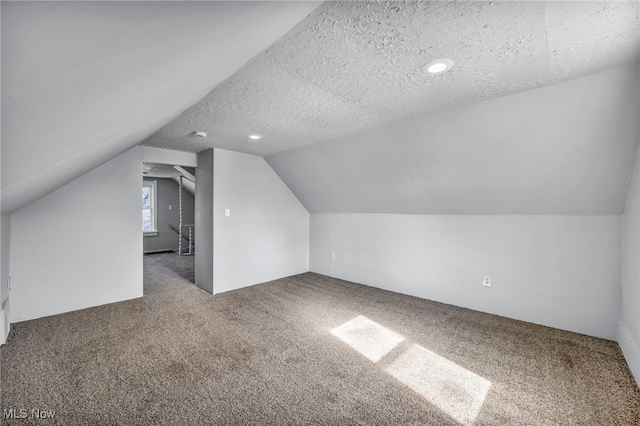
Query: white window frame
152	184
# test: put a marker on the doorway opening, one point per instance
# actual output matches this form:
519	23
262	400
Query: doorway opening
168	217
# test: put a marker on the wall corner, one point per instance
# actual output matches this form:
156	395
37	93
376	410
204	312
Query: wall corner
630	350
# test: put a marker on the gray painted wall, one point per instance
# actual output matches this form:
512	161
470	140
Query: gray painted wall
5	240
5	304
81	245
204	221
559	271
266	235
629	327
167	195
562	149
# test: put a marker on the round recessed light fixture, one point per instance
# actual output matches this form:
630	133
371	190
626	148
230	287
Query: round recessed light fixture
438	66
200	134
255	137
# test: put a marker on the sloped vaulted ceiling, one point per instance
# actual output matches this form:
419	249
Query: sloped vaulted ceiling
83	81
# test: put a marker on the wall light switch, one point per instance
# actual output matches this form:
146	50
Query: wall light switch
486	281
333	256
227	212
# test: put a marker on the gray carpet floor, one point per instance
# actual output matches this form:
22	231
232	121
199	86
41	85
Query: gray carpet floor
306	350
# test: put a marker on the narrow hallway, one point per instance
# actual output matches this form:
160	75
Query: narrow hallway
162	270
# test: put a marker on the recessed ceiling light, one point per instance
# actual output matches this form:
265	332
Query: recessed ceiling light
200	134
255	137
438	66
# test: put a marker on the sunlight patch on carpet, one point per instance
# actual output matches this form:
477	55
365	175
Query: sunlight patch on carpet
367	337
453	389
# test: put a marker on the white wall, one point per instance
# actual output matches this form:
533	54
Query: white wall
266	235
5	304
559	271
81	245
629	326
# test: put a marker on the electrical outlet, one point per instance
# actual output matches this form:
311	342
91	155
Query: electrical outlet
486	281
333	256
9	283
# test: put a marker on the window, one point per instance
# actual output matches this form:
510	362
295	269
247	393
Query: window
149	207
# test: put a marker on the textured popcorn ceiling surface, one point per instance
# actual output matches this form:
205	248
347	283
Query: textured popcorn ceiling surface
351	66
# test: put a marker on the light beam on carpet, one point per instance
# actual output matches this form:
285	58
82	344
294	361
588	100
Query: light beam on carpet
450	387
367	337
454	389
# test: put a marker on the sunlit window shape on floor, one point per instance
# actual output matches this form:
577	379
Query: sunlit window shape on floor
455	390
368	337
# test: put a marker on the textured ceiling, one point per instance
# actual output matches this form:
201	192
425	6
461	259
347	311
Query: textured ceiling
352	66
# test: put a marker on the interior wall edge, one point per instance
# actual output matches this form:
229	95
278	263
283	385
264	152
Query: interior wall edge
5	273
630	350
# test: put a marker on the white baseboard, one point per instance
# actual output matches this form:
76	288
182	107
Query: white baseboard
629	350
